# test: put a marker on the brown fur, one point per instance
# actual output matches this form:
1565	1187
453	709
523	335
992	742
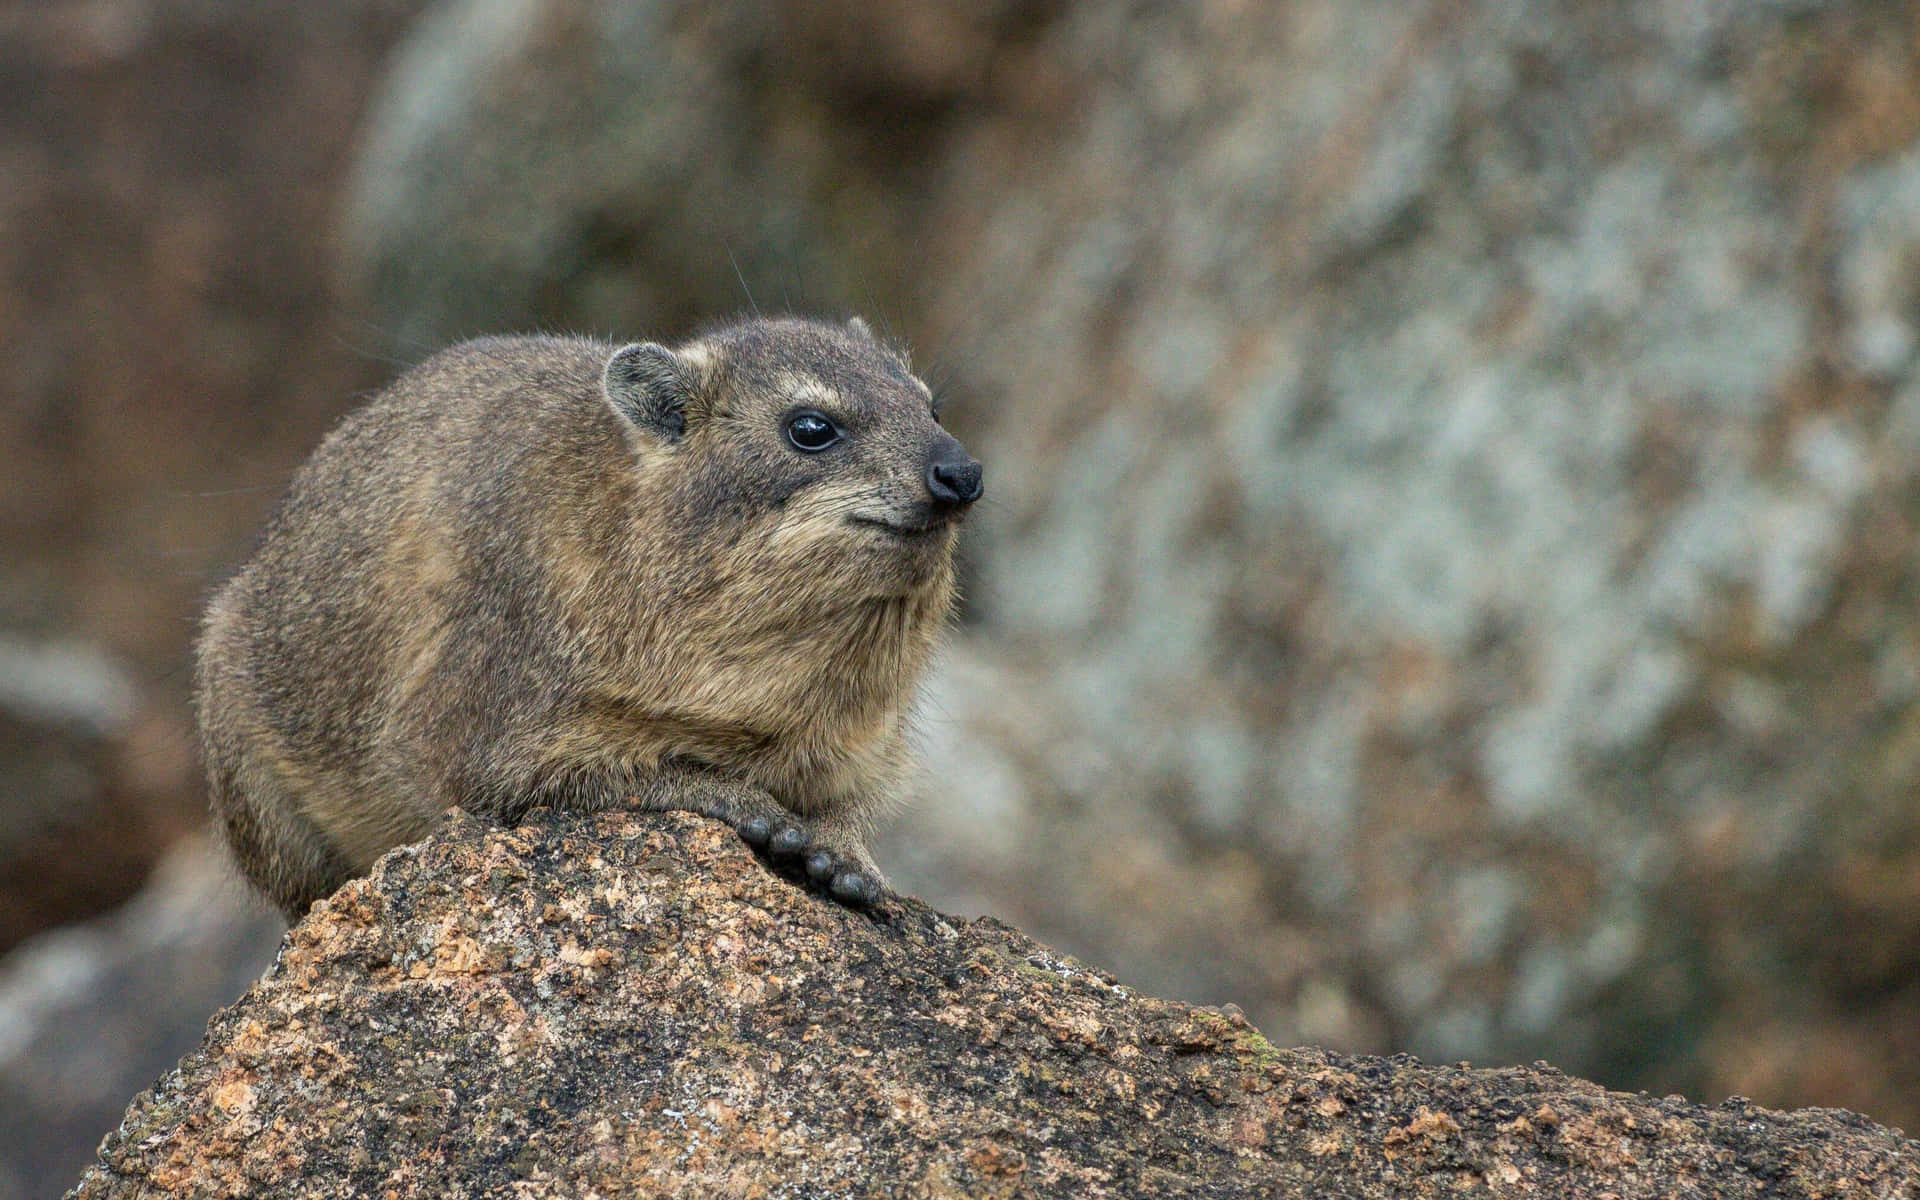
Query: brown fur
495	587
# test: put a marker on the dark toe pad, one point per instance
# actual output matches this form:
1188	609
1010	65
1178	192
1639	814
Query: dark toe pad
789	839
854	890
788	845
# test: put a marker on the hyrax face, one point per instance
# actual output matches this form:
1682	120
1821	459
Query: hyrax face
808	457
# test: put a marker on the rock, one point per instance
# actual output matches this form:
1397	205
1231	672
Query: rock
711	158
169	323
602	1004
92	771
91	1012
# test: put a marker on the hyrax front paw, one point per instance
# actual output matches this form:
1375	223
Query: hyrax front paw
788	845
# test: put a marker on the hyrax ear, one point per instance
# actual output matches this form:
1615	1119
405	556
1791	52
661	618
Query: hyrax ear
859	328
653	388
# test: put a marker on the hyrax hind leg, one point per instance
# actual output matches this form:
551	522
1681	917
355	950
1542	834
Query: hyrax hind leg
276	847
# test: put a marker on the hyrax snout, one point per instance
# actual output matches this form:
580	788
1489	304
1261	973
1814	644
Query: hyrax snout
558	571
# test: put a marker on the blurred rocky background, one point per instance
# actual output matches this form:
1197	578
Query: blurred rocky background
1450	580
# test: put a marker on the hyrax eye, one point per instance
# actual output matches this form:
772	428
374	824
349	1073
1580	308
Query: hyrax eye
811	432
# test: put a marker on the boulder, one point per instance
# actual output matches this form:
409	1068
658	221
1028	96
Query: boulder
613	1004
74	837
92	1012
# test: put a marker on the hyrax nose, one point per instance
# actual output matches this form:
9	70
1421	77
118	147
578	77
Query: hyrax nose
952	476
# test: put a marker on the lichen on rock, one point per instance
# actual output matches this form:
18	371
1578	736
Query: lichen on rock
613	1004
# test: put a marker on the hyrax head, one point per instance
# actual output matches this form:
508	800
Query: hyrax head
807	450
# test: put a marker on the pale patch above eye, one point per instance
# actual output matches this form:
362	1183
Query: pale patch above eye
808	392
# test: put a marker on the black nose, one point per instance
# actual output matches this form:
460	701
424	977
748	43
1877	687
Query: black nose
953	477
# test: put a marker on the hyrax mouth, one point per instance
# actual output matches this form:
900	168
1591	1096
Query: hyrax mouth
905	528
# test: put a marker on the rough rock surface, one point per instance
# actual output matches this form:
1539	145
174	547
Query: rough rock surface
1453	471
619	1005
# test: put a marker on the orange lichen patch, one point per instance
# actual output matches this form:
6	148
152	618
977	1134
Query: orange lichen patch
234	1098
591	957
995	1158
1081	1028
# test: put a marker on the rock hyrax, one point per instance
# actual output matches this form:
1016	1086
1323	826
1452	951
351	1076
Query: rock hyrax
546	570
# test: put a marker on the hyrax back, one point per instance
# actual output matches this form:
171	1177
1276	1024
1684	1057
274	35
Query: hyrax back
555	571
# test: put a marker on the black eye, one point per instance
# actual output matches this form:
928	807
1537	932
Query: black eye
811	432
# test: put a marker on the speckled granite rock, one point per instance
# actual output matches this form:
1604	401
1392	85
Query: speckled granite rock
617	1005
